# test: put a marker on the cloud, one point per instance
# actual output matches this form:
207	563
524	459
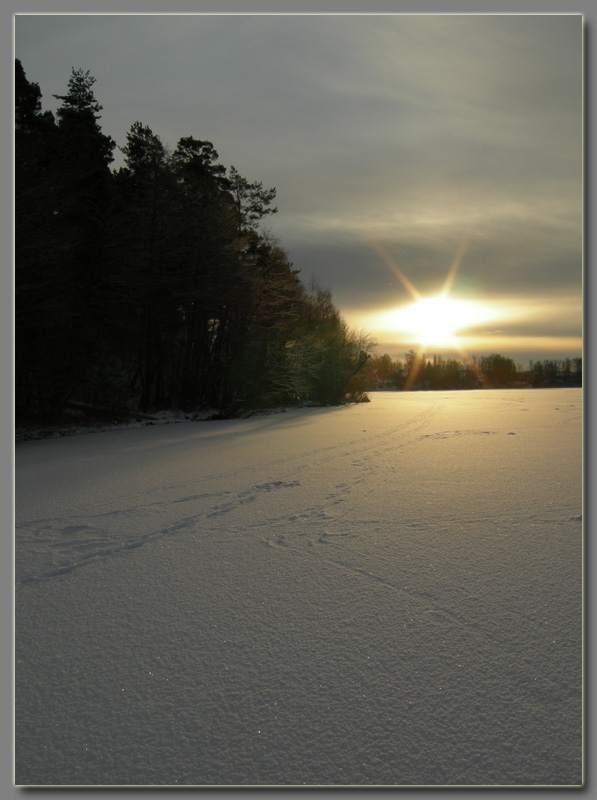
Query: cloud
414	131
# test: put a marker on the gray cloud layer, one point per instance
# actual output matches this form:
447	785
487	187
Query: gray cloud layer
413	131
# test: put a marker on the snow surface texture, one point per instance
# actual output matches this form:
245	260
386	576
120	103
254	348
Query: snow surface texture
382	594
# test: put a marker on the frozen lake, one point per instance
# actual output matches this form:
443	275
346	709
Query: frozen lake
382	594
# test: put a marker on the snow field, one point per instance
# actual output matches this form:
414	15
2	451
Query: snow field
384	594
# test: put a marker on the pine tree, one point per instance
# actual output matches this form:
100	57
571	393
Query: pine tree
251	200
82	208
37	250
146	256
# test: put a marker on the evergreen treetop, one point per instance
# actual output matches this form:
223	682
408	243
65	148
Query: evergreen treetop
80	96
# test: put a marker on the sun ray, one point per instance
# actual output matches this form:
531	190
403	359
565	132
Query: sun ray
455	265
389	261
412	375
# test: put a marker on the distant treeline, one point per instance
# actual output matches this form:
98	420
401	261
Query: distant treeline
493	371
154	286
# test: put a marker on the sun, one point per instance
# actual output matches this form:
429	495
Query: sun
437	319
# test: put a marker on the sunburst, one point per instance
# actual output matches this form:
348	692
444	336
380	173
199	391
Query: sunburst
434	320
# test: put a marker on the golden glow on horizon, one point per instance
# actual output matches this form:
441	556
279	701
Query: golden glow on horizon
494	338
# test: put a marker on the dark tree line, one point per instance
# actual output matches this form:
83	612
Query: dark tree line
418	372
153	286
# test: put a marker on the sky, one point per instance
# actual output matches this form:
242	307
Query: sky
412	154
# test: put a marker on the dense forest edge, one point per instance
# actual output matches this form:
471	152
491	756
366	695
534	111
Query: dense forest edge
155	286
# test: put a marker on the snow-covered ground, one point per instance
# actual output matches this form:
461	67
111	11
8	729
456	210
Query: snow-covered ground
381	594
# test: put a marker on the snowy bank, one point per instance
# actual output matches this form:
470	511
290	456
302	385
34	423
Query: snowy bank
380	594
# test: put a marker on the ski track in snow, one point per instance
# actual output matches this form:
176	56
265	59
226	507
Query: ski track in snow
72	542
56	533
